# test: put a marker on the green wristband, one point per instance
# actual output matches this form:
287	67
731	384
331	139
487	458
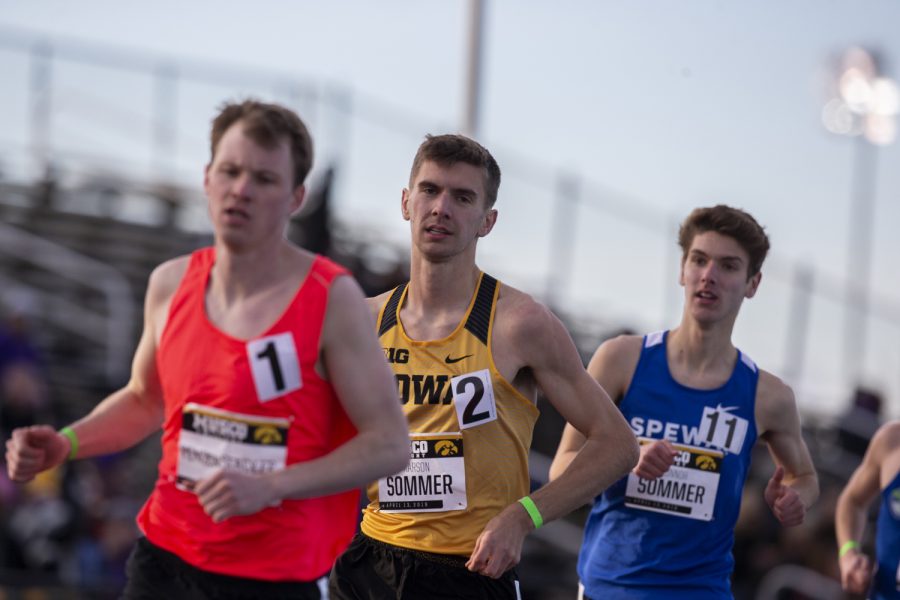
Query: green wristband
67	431
847	547
532	511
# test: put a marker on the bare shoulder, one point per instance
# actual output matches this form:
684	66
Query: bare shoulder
346	303
776	407
619	352
165	279
886	439
520	316
376	302
774	392
614	362
347	315
526	334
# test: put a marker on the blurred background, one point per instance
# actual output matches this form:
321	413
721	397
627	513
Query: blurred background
610	121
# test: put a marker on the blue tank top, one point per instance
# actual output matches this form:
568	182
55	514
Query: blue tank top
887	544
672	537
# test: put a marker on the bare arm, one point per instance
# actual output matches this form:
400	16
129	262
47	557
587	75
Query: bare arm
794	487
612	366
853	505
608	452
587	407
356	367
123	418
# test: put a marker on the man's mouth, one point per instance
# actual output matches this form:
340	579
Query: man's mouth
237	212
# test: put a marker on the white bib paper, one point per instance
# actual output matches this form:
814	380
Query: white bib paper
688	489
212	439
434	480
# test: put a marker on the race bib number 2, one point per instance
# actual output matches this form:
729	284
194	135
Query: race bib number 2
473	396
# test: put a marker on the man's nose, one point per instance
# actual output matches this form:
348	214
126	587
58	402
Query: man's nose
441	205
242	185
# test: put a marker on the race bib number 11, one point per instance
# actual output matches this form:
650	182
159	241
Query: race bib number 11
722	429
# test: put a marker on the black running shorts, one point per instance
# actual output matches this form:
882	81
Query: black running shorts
154	573
373	570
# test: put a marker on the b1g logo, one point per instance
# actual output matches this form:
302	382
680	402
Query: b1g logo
399	356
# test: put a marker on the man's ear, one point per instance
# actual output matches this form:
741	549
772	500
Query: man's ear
404	204
299	197
487	224
753	285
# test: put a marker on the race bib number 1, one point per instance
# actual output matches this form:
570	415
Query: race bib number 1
275	367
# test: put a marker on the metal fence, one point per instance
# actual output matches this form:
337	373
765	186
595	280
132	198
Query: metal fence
600	256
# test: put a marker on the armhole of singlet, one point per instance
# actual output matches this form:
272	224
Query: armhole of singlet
389	310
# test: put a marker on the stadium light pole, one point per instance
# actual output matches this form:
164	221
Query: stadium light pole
41	89
472	101
865	106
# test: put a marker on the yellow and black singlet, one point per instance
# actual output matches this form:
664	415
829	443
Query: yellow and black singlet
470	431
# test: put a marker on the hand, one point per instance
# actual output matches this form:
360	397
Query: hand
499	547
856	572
31	450
784	500
230	493
656	458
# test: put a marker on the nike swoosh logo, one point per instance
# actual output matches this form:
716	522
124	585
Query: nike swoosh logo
450	361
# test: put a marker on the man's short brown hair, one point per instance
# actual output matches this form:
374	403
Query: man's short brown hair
449	149
733	222
267	124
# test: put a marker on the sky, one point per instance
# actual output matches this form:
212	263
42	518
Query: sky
610	120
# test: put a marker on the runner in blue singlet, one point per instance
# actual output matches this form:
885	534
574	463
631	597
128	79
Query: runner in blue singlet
697	405
879	472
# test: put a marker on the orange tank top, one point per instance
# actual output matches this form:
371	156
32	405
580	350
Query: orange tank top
256	406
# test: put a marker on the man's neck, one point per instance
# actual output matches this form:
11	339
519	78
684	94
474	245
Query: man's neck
240	274
441	286
702	350
437	297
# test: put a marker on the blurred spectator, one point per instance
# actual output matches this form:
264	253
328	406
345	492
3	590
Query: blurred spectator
23	391
39	525
860	422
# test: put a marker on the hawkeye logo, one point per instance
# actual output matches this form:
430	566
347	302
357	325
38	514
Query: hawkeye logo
434	448
446	448
424	389
266	434
706	463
